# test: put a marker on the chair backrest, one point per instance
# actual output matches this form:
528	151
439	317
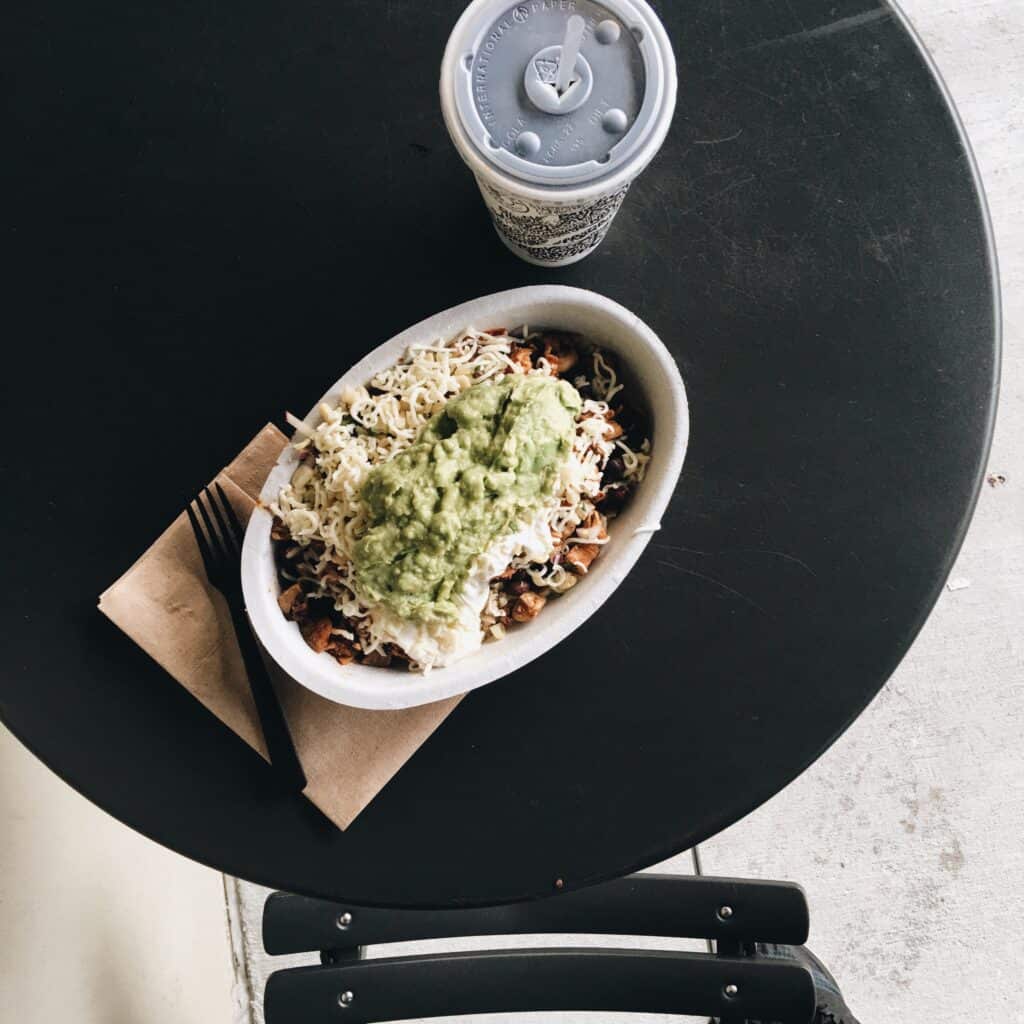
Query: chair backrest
731	985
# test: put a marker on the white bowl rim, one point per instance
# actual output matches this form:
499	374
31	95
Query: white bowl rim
379	689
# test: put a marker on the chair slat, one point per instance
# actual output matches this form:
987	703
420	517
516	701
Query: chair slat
658	905
550	980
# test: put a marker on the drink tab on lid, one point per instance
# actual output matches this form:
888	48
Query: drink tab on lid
561	93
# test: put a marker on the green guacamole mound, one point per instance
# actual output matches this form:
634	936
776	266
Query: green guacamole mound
482	466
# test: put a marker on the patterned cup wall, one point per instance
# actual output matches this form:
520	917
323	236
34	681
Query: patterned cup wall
551	233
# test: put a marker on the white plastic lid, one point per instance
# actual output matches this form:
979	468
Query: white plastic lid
505	64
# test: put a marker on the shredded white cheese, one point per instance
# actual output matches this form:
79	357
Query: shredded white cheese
370	423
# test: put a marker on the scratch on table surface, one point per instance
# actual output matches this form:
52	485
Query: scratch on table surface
714	582
737	245
737	551
873	245
679	547
761	92
717	142
778	554
736	288
721	192
822	31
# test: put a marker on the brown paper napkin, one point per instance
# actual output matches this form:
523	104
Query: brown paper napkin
165	604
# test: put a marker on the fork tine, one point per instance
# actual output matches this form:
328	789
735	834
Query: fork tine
201	542
216	544
229	510
228	538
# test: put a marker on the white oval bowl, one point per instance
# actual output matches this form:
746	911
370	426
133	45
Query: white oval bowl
648	367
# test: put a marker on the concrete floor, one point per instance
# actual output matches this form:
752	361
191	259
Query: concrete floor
97	924
906	834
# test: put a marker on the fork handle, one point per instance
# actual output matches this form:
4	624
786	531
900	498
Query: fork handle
275	729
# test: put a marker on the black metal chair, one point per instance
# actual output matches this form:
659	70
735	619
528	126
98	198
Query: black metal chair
734	983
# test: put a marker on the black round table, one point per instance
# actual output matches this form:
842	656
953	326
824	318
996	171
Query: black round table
215	209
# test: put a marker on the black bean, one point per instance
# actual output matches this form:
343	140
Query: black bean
615	498
321	608
519	584
614	470
631	421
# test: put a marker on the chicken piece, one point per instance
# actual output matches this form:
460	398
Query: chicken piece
317	633
559	537
579	557
612	430
560	356
598	521
522	357
289	600
528	606
340	650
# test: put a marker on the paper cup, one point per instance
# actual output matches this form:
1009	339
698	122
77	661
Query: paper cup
554	165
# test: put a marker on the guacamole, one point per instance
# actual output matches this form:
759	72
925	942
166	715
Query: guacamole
483	465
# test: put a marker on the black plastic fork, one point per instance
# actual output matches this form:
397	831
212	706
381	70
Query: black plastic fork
220	544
